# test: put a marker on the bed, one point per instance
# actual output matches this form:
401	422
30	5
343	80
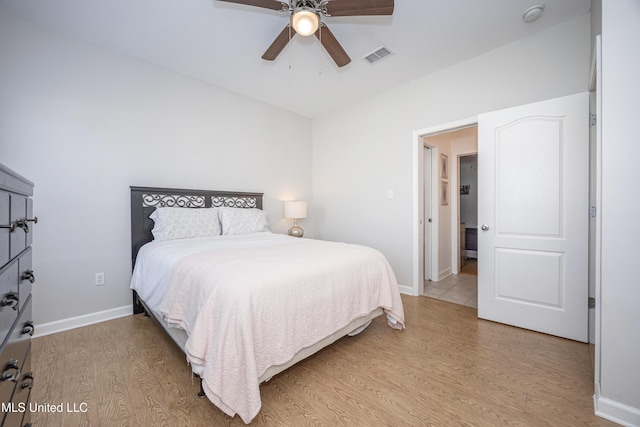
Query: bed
243	303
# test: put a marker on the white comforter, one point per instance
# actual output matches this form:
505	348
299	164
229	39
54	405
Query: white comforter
252	301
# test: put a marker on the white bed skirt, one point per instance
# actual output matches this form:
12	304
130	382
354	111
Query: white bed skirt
179	336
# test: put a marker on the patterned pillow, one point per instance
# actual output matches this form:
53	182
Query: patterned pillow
181	223
243	221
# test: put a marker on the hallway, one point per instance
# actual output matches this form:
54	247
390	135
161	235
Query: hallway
457	288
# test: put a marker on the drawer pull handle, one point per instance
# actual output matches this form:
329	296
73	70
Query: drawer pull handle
10	300
12	365
11	226
28	381
28	275
28	328
23	223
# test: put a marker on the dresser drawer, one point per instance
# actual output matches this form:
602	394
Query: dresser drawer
21	333
9	297
14	352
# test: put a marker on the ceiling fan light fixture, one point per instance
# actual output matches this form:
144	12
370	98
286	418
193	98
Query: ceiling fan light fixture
305	21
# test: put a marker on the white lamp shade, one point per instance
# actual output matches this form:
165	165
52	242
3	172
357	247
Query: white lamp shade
305	22
295	210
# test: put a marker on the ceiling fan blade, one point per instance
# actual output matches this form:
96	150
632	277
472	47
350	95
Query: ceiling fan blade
359	7
267	4
332	46
279	43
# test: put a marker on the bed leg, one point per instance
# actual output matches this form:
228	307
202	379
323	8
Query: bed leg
137	306
201	392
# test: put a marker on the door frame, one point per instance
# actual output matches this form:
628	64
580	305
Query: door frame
595	239
418	193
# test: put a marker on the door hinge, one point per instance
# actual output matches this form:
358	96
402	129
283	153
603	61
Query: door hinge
593	119
592	302
592	212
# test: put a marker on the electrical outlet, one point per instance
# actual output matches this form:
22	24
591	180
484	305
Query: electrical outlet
99	279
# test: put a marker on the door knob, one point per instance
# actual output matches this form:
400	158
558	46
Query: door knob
484	227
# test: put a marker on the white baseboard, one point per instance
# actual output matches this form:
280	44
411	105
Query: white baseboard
84	320
615	411
405	289
444	273
471	254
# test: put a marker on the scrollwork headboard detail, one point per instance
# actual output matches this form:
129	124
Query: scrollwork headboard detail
144	200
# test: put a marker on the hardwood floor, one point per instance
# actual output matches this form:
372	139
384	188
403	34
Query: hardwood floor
470	267
446	369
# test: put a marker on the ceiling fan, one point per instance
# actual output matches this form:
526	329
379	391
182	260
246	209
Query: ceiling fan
305	20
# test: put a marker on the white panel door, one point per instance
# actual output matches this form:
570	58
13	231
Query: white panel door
533	178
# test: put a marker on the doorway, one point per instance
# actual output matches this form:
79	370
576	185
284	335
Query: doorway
419	223
468	203
445	231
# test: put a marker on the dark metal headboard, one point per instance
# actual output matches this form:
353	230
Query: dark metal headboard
144	200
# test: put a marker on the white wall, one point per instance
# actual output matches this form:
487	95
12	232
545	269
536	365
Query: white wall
84	123
362	151
620	317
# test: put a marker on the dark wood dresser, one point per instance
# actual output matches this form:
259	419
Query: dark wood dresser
16	277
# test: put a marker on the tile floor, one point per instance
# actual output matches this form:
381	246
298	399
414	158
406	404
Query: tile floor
458	288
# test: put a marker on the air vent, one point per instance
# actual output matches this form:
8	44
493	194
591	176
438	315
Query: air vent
377	55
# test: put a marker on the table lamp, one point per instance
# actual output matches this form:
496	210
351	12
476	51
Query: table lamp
295	210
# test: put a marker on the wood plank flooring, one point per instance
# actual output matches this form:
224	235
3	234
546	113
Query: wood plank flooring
446	369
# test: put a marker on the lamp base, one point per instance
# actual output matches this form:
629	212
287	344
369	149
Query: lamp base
296	231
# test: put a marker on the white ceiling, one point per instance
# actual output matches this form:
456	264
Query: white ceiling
221	43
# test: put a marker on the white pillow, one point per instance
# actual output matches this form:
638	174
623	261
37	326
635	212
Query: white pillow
243	221
181	223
